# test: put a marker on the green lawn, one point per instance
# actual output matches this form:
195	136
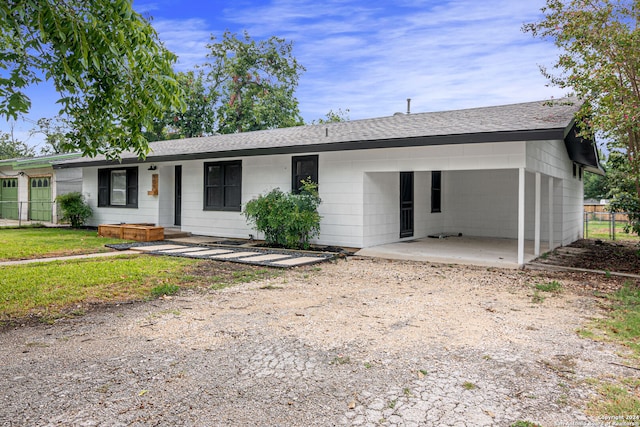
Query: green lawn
29	243
622	326
47	290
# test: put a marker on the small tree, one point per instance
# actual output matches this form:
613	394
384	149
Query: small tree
287	219
11	148
600	61
74	209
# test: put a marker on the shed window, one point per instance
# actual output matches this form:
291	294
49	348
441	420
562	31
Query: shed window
118	187
223	186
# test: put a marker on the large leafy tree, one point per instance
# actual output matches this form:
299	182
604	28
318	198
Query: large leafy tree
104	59
256	83
600	61
595	186
198	117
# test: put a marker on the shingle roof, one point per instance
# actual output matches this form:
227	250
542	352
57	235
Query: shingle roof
531	120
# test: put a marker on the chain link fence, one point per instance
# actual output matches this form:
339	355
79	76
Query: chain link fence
608	225
28	212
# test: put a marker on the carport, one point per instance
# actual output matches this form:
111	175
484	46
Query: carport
507	216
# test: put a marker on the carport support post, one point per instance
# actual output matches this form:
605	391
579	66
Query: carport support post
521	200
536	246
551	213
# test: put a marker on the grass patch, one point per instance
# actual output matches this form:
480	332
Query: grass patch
617	400
30	243
602	230
521	423
50	289
165	289
469	385
622	324
554	286
537	298
340	360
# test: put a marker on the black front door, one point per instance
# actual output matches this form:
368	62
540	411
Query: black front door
178	196
406	204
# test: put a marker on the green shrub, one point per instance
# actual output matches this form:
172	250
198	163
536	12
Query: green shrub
74	209
286	219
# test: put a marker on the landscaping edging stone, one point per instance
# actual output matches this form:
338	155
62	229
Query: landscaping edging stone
305	257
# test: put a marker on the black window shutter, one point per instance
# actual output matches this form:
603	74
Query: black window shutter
232	185
132	187
103	187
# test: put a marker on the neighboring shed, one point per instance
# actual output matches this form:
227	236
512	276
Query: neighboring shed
512	171
29	186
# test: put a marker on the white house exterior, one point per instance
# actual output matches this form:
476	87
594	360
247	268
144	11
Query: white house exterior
510	171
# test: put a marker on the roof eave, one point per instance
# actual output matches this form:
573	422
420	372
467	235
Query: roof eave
420	141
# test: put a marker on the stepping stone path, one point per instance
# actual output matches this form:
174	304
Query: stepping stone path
257	256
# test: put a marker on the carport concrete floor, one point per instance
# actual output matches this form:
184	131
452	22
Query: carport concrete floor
481	251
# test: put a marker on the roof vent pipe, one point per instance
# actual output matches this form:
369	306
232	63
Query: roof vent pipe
408	105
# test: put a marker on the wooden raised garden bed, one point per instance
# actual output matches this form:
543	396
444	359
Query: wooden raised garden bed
137	232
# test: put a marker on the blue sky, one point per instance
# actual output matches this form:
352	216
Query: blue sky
368	56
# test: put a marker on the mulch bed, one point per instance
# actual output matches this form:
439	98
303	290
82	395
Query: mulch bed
614	256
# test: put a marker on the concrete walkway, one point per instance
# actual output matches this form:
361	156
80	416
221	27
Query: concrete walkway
243	255
281	258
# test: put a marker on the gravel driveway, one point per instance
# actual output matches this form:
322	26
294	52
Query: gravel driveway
353	342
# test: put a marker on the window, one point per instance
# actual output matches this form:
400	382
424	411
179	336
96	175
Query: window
118	187
118	195
39	182
303	168
436	191
223	186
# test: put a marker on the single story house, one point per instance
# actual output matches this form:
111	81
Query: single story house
512	171
29	186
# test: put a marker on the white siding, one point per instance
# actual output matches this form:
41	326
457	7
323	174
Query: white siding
360	192
551	158
147	211
381	208
166	194
481	203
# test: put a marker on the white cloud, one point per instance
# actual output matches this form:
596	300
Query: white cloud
186	38
370	56
444	55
